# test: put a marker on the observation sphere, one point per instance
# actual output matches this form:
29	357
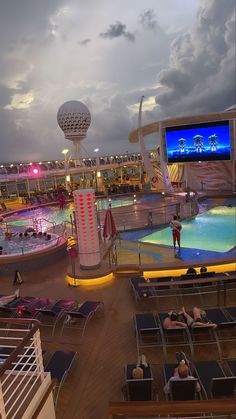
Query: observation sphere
74	119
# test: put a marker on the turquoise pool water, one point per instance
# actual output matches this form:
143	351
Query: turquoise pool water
55	215
213	230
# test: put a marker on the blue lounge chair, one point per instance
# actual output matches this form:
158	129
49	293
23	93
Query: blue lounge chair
223	387
216	315
231	311
150	291
204	335
231	363
173	337
26	361
52	315
11	308
59	366
138	292
31	309
225	325
179	389
78	318
213	379
5	351
147	329
139	389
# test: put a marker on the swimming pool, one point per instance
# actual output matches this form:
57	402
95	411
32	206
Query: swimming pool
212	230
53	215
19	246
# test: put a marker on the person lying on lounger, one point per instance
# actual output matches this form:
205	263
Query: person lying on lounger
6	299
181	372
198	319
172	322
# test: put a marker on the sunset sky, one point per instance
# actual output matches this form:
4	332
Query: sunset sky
179	54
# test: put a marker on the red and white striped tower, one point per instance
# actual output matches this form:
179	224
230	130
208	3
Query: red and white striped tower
87	228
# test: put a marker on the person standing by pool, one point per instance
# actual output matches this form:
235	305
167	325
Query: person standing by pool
176	227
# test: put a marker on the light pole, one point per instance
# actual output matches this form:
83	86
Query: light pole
66	161
97	172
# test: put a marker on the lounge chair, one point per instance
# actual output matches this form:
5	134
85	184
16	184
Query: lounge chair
204	335
59	366
213	379
223	387
179	389
5	351
25	361
216	315
147	329
231	363
11	308
31	309
138	292
231	311
51	316
173	337
151	291
79	317
205	275
139	389
224	323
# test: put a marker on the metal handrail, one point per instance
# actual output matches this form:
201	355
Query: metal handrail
22	372
30	332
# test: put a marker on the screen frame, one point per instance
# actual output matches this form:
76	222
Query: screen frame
193	125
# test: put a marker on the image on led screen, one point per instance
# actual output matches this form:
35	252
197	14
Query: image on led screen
206	141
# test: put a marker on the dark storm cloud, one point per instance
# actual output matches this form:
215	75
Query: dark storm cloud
113	123
43	64
148	19
201	74
85	42
117	30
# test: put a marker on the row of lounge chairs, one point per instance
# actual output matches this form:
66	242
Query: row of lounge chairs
216	380
171	287
150	332
50	312
58	364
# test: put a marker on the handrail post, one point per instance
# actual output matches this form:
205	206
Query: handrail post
139	255
2	404
38	354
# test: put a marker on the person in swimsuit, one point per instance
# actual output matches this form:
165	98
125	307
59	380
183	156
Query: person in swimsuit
198	319
172	322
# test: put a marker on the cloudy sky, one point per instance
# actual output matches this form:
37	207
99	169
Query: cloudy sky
179	54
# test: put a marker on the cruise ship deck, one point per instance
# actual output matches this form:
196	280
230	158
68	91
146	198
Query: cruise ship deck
109	342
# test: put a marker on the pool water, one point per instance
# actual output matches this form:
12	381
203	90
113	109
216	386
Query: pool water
17	245
54	215
212	230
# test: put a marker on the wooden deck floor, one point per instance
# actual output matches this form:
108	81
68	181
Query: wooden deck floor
109	342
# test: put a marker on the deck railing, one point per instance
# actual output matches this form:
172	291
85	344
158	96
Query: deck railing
21	368
161	409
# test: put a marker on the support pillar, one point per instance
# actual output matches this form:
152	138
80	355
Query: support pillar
87	228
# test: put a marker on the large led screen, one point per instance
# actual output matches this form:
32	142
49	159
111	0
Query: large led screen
198	142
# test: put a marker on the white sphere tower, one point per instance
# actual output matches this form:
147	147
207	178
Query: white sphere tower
74	119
